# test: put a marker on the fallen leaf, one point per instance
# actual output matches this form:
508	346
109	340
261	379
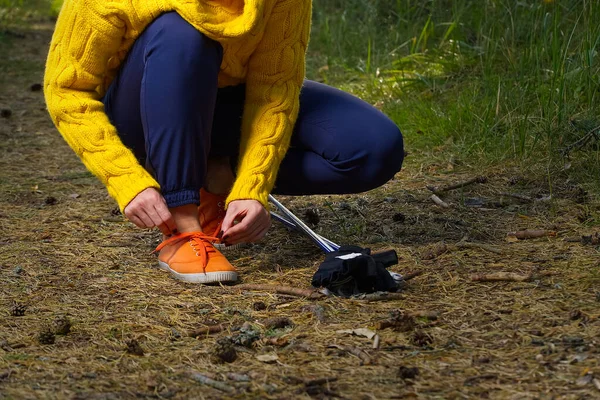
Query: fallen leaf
369	334
584	380
267	358
511	239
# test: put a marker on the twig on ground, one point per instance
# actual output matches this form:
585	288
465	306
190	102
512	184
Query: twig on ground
361	354
205	380
298	292
379	296
430	315
508	277
527	199
411	275
531	234
439	201
209	330
438	190
435	252
471	245
593	239
320	381
376	341
475	379
581	141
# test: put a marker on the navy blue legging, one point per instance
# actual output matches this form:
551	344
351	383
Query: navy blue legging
167	108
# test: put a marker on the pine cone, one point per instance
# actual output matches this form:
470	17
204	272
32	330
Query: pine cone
133	347
224	351
62	325
46	337
18	309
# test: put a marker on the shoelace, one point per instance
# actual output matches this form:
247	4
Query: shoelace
199	241
217	232
220	217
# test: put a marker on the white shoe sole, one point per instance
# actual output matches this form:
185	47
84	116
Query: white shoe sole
209	277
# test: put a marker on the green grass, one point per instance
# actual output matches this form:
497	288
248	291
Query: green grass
486	81
19	11
490	80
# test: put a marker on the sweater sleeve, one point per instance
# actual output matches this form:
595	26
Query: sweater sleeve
82	48
275	76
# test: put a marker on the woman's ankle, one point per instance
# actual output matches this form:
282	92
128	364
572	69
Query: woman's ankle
186	218
219	176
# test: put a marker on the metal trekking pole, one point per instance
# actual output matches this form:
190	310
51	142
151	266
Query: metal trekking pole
322	243
291	221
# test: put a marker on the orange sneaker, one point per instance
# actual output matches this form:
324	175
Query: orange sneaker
211	214
191	257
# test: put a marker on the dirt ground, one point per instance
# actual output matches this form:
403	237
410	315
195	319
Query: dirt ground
65	251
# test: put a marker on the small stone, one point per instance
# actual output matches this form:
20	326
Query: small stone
18	270
362	202
50	201
238	377
278	323
36	87
5	113
408	372
573	341
399	217
259	306
344	206
133	347
267	358
46	337
585	380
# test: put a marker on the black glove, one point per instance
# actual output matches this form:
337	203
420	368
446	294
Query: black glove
354	270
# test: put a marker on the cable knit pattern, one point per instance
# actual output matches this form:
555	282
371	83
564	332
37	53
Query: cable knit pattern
264	43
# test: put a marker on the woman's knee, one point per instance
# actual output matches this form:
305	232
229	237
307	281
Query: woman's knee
178	39
385	155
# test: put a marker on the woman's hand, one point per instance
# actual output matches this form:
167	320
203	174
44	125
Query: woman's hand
148	210
253	222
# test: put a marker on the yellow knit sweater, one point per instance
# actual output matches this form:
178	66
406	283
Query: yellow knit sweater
264	43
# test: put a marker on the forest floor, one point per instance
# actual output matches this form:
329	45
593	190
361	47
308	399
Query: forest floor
65	251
